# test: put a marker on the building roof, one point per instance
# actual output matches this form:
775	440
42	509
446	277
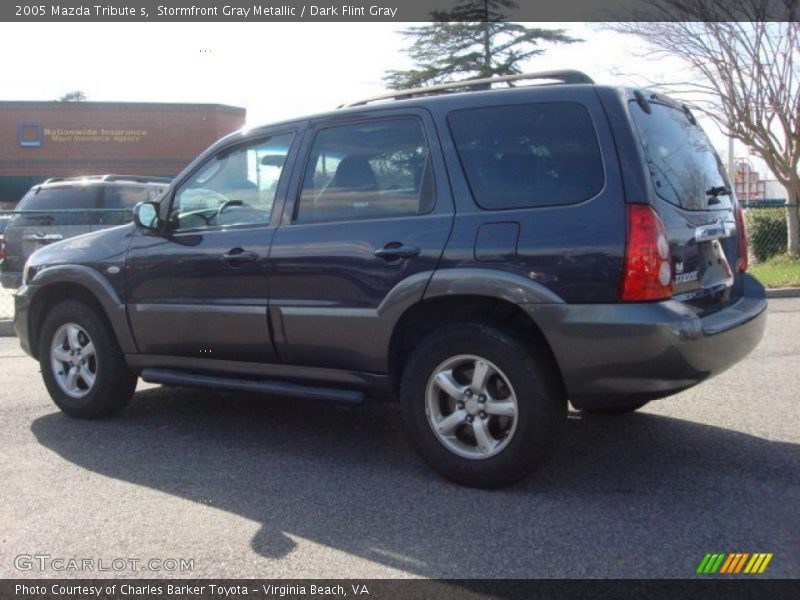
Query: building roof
86	104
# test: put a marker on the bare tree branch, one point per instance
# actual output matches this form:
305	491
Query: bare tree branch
744	75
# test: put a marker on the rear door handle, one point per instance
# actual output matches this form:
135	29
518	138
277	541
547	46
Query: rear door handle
237	256
396	251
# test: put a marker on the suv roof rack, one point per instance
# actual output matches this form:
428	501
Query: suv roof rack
133	178
137	178
563	76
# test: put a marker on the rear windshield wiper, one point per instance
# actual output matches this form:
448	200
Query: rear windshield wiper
716	191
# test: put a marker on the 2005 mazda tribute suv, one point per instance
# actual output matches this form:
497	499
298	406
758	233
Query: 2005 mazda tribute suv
483	256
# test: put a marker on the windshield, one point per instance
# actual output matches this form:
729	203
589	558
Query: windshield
686	170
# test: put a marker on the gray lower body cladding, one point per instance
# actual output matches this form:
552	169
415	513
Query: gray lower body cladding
613	354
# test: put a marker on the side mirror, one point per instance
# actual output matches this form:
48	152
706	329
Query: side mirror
145	215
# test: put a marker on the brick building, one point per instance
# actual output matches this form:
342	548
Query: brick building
748	185
750	188
39	140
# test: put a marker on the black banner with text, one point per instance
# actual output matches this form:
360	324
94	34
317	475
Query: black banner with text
387	10
467	589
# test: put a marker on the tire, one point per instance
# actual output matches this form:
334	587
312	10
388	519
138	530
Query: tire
517	379
102	384
616	411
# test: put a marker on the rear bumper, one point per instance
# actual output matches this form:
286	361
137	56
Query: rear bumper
11	279
616	354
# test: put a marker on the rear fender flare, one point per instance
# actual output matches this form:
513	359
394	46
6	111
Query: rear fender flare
511	287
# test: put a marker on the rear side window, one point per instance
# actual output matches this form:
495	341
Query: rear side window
125	196
70	197
367	170
682	162
528	155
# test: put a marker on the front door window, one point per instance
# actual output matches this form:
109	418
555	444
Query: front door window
236	187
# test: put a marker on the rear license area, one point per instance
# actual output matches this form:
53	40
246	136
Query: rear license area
702	255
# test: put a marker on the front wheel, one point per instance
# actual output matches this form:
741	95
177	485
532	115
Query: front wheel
481	407
82	365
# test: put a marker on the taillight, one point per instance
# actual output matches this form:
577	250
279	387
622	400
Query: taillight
647	273
2	249
741	233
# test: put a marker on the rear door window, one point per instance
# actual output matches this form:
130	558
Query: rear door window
528	155
368	170
119	200
683	165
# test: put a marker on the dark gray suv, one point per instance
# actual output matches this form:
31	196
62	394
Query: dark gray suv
483	256
64	207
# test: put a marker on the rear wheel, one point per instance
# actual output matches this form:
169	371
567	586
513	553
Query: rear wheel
82	366
479	405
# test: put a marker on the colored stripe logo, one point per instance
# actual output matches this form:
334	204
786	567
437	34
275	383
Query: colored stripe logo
734	562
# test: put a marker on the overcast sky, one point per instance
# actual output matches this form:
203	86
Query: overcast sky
274	70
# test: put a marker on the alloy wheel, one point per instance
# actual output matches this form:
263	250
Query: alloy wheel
471	406
74	360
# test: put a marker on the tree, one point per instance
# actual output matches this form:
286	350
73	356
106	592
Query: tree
471	41
76	96
745	77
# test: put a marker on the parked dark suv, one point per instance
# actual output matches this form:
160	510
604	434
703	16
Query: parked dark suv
64	207
482	256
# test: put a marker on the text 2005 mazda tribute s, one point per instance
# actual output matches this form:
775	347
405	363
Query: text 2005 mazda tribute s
483	256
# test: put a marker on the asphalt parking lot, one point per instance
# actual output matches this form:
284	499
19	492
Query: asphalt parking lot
252	487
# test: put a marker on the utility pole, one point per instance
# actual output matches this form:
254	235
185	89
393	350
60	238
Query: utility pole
731	174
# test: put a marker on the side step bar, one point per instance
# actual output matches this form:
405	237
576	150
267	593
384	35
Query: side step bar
276	388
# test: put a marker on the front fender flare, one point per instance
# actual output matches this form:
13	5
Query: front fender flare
98	287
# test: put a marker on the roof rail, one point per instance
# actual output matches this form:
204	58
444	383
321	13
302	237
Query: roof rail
137	178
133	178
563	76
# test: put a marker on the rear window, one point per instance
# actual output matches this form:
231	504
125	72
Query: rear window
683	164
60	198
528	155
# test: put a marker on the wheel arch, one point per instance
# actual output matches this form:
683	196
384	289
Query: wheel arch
438	310
58	283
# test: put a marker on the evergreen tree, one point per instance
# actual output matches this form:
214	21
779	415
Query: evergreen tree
471	41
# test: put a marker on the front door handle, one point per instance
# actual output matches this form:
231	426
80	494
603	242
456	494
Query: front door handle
396	251
237	256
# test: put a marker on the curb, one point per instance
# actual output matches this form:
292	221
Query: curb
792	292
7	329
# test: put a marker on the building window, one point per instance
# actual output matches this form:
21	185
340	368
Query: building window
30	135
